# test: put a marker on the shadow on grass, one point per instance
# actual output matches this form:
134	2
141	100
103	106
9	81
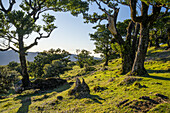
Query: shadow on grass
25	105
160	56
158	71
157	77
26	99
96	98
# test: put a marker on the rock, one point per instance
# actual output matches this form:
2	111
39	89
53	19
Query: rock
85	87
49	83
80	90
59	97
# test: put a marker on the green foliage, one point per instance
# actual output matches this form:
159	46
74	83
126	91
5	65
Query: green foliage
102	38
36	68
54	69
122	26
14	66
7	79
48	19
23	23
159	31
83	57
71	64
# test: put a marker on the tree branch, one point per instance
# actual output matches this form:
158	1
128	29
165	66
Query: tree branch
129	32
36	39
133	11
155	13
166	13
9	8
102	9
123	3
14	49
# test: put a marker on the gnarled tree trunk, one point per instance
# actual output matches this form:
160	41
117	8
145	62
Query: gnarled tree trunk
106	59
138	66
25	76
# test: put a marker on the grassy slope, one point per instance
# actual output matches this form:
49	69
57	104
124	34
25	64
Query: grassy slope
157	65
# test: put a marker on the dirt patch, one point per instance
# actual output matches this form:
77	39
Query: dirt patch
144	103
129	80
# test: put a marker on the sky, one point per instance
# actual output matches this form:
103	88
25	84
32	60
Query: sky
71	32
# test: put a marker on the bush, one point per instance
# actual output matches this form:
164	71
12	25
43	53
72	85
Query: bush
55	68
7	79
71	64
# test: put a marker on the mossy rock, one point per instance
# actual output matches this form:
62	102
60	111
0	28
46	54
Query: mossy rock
49	83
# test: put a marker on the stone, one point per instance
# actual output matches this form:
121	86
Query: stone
80	90
49	83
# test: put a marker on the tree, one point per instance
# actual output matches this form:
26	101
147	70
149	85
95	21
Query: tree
84	57
129	44
24	24
56	68
36	68
7	79
159	32
146	21
102	38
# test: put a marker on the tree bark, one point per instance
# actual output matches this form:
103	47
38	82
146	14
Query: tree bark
138	66
106	59
127	59
24	72
157	41
168	41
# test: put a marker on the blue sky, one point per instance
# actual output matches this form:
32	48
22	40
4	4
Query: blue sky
72	33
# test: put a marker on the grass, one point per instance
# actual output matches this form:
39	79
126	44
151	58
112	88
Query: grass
103	101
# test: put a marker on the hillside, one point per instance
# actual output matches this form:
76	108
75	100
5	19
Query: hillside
8	56
115	92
